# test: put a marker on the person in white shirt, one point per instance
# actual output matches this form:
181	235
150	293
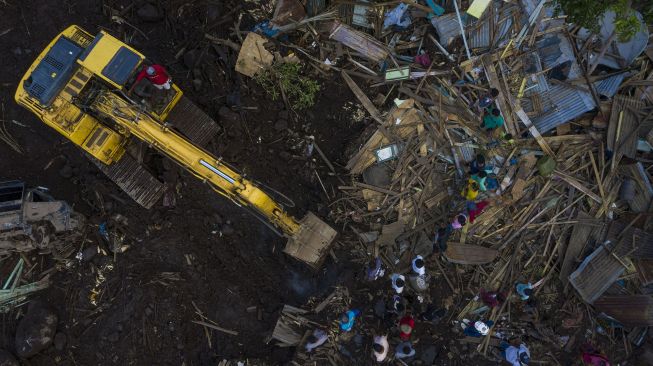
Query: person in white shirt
398	282
418	266
380	348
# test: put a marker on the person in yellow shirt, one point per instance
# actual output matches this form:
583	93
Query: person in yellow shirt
470	192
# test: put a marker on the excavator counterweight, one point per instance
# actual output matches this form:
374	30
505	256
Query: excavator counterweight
86	87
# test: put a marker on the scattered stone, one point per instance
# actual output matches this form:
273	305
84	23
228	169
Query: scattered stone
113	337
149	13
66	171
281	125
60	341
17	51
190	58
227	230
36	330
90	252
7	359
148	311
227	115
197	84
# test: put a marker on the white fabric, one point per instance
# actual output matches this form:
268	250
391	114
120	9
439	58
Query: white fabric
165	86
382	340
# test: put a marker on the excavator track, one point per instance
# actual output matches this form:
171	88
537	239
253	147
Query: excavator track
132	178
191	121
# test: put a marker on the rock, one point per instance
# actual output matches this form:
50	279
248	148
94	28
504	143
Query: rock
190	58
227	230
148	311
197	84
7	359
212	12
113	337
227	115
283	114
149	13
17	51
281	125
60	340
36	330
90	252
66	171
429	355
285	155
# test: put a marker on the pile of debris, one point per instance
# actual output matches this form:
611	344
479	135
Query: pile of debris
515	146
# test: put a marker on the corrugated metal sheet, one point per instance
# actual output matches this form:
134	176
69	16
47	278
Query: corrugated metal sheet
608	87
567	103
359	41
596	274
555	49
627	144
447	27
584	232
630	310
478	33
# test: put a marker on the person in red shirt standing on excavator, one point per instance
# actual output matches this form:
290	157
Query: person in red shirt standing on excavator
157	75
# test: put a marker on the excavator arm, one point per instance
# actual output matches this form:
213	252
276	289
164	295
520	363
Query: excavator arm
194	159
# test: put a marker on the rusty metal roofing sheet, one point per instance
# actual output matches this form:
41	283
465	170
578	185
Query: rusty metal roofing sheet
630	310
624	108
567	103
596	274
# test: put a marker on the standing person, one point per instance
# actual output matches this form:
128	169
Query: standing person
316	339
406	326
418	265
380	348
487	99
492	119
524	290
441	238
404	350
157	75
477	165
515	356
398	282
470	192
480	178
477	209
375	270
347	320
459	221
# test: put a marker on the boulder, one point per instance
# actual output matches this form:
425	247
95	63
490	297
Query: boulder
149	13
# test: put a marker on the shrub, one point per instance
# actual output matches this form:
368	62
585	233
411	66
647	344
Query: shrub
283	78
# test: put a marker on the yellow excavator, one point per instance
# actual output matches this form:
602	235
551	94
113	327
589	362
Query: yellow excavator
87	88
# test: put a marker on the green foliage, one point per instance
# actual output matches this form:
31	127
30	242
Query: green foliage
283	78
587	13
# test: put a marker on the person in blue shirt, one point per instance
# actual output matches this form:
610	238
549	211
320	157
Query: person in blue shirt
347	320
524	290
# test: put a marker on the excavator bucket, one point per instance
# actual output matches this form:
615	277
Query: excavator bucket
312	241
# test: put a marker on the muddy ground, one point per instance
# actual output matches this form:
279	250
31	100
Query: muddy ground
205	250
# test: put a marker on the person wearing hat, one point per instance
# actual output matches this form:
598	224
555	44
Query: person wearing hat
380	348
397	305
515	356
418	266
316	339
375	270
347	320
404	350
441	238
157	75
478	329
406	326
398	282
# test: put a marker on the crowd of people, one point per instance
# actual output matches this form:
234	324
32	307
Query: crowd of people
405	303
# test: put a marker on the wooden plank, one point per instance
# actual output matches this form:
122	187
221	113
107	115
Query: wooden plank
470	254
630	310
580	236
578	185
531	128
501	100
365	101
